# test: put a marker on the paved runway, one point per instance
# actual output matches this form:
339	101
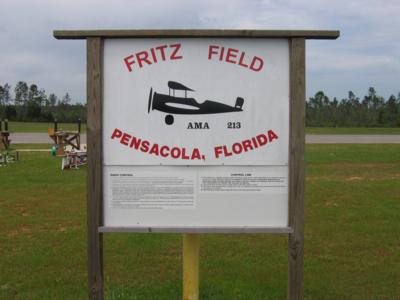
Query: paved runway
43	138
352	139
35	138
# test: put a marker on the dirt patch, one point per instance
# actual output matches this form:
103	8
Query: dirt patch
383	253
20	231
311	178
330	203
354	178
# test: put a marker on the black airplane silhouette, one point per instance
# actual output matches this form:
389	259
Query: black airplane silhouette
187	106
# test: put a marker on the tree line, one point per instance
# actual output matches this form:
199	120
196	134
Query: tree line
370	111
29	103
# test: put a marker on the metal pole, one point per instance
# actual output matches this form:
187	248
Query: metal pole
191	250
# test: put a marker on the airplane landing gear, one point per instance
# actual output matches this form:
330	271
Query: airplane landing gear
169	119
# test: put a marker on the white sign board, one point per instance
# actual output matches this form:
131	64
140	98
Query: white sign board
195	132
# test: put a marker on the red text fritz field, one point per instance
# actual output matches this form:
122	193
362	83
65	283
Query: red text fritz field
172	52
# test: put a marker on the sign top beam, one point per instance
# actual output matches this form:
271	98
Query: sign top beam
195	33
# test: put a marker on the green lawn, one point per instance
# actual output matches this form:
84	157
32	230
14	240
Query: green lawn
30	146
42	126
353	130
352	248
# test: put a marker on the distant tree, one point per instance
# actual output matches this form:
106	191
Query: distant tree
353	98
21	93
392	112
41	98
5	99
33	93
52	100
1	96
334	111
5	94
354	114
10	112
319	110
33	111
66	100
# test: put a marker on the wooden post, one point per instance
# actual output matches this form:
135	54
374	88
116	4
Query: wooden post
78	136
55	126
95	168
296	167
191	250
5	125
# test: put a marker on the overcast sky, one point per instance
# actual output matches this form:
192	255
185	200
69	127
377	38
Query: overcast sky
367	53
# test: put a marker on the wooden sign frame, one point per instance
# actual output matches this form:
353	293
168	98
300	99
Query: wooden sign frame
295	229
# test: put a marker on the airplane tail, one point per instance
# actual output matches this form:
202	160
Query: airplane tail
239	102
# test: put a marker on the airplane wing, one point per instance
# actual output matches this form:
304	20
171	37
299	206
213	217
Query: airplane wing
178	86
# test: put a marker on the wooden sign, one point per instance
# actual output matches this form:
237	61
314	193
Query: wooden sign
195	134
196	131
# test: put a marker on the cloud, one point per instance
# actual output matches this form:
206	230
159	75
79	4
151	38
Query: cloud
369	35
322	61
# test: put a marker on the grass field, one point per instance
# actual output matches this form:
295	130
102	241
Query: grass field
352	237
42	126
353	130
30	146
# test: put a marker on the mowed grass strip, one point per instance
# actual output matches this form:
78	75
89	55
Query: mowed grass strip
352	248
353	130
30	146
43	126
